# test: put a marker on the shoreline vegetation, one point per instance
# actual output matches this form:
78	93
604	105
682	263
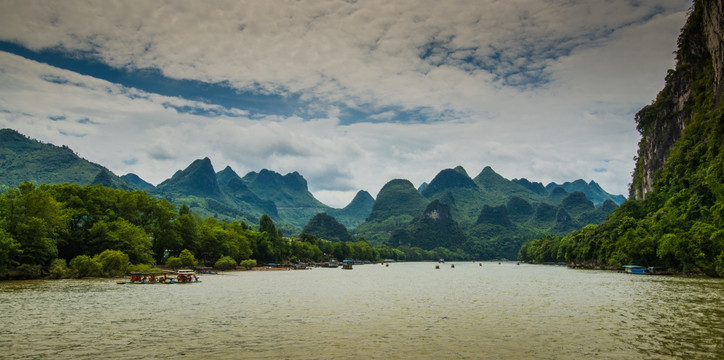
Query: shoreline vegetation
73	231
69	230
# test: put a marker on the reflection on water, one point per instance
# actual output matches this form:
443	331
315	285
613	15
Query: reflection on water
403	311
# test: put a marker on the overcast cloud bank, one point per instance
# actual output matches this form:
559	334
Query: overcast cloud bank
350	94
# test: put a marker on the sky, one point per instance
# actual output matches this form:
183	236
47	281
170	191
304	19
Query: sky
350	94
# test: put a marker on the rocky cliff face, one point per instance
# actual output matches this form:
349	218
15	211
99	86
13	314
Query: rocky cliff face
700	62
714	32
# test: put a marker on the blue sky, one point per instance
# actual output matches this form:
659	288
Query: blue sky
349	94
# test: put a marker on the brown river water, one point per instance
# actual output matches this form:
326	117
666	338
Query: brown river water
400	311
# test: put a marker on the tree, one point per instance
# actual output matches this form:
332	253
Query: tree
124	236
187	228
266	224
114	262
248	263
29	271
9	250
84	266
225	263
35	220
174	262
187	259
58	269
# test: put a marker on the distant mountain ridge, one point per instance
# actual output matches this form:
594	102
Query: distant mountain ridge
593	191
530	207
487	217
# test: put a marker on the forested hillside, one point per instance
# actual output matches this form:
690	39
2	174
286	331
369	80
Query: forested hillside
23	159
675	215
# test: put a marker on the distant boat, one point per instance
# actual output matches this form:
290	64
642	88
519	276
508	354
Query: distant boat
634	269
331	264
642	270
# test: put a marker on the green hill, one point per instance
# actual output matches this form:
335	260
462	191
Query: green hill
455	188
397	198
25	159
198	179
501	188
535	187
295	204
326	227
397	203
356	211
435	227
137	182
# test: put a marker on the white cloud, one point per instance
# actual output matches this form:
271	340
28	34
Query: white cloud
589	66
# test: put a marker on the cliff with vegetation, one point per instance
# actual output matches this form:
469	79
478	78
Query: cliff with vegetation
699	69
675	214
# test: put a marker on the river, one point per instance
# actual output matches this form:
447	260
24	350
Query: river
401	311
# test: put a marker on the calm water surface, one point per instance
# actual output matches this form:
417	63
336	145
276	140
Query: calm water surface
404	311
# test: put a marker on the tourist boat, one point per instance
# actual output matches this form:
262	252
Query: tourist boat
141	278
182	277
347	264
205	270
186	276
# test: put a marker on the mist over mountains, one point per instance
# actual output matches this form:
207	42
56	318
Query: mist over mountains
457	209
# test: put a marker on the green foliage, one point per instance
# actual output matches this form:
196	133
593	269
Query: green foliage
225	263
9	251
85	266
34	220
248	264
187	259
266	224
144	268
114	262
123	236
68	221
29	271
174	262
543	250
58	269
